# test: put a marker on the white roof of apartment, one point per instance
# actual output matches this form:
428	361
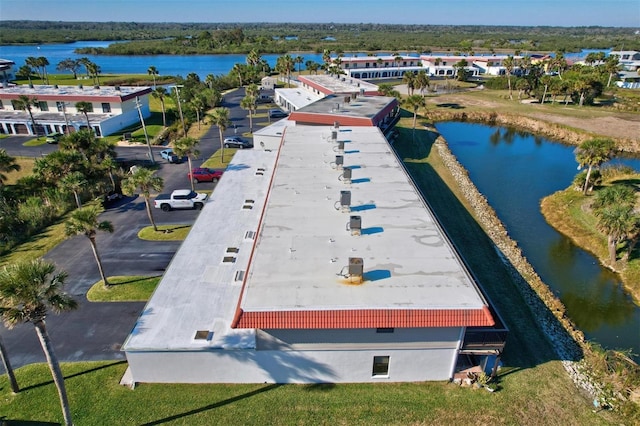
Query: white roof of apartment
298	97
302	245
87	90
341	84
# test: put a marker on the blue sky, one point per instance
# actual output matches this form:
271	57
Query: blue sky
618	13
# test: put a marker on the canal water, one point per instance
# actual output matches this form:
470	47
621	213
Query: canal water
514	171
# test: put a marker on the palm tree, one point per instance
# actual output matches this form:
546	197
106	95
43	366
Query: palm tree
198	103
249	103
253	58
85	222
237	70
33	64
415	102
25	103
508	65
187	147
298	60
160	93
43	62
593	153
153	71
143	179
252	90
615	221
25	71
612	66
422	81
69	65
27	291
7	164
85	108
220	117
74	182
326	57
4	356
409	78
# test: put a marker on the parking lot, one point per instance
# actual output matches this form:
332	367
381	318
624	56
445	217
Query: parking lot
96	331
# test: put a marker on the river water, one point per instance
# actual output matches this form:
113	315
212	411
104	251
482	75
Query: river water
514	171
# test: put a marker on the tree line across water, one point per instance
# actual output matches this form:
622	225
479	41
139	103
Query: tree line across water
208	38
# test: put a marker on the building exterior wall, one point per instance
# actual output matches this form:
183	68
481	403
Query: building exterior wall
414	355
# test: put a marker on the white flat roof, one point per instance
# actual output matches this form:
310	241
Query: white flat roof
302	244
298	97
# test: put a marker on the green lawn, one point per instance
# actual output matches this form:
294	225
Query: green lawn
123	289
539	395
165	232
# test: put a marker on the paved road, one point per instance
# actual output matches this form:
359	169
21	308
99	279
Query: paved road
96	331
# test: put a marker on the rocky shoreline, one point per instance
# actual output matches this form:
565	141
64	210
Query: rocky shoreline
568	341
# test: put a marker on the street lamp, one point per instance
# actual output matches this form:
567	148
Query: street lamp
184	129
144	128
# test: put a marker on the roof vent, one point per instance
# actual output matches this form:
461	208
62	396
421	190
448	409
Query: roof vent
239	276
80	86
203	335
345	201
339	162
354	271
118	88
249	235
55	86
340	147
355	225
334	135
345	176
336	125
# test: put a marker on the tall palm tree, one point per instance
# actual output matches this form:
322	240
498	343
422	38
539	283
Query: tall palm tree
4	356
7	164
612	66
26	103
160	93
414	103
85	108
409	78
27	291
84	221
326	57
253	58
509	64
143	179
422	81
249	103
237	70
299	61
252	90
33	63
220	117
615	221
187	147
43	63
593	153
74	182
153	71
198	103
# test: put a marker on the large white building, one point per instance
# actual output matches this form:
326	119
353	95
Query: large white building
112	108
316	259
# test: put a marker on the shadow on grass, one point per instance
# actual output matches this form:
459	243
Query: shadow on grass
214	405
450	105
5	422
319	387
70	376
131	281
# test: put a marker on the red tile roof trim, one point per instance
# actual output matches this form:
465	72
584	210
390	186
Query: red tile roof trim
365	318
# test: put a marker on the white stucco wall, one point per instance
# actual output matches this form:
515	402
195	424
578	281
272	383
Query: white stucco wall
342	357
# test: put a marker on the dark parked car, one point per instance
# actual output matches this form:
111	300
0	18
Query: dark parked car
277	113
203	174
237	142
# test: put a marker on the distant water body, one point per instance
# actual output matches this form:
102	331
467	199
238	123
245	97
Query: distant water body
166	64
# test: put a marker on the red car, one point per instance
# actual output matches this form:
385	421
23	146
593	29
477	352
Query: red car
202	174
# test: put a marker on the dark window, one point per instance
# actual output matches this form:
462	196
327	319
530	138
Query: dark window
60	106
106	107
385	330
43	106
1	106
380	366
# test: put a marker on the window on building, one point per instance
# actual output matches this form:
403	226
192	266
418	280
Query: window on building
43	106
1	106
106	107
385	330
380	366
60	106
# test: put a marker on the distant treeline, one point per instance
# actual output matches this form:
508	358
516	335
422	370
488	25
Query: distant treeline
201	38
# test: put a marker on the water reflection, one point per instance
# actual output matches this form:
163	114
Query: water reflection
514	170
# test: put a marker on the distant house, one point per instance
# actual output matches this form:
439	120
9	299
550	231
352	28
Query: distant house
629	59
7	73
112	108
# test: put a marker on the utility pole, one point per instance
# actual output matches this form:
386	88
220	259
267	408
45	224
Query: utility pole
144	128
184	129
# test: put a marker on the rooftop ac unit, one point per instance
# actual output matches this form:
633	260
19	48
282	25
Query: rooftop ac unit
346	175
356	269
334	135
345	201
336	125
355	225
339	162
